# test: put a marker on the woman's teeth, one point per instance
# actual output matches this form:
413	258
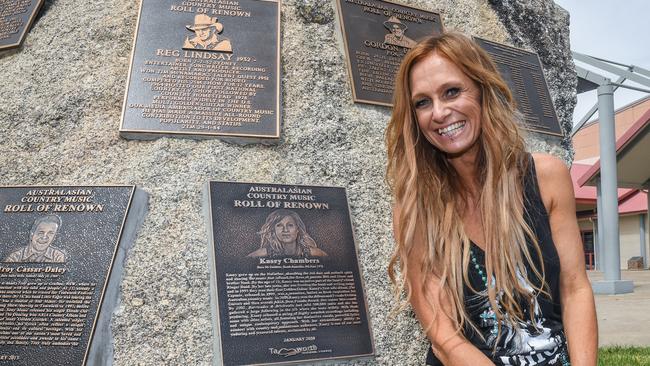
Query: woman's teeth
452	129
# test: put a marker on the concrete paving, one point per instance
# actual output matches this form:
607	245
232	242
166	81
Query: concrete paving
624	319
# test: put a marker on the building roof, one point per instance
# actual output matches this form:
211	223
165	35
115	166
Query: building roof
588	193
636	203
582	193
632	152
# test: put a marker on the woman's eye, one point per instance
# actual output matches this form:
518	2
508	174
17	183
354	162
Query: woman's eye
452	92
421	103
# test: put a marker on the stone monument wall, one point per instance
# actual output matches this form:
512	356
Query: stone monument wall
60	104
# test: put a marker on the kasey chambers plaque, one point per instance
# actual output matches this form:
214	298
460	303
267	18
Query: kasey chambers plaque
523	72
205	68
285	281
16	16
62	250
377	34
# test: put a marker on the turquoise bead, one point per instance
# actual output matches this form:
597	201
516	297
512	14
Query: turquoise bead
478	268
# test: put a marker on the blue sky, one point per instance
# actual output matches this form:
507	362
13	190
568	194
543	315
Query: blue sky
613	30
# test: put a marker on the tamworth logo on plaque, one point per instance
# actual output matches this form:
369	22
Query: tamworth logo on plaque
377	35
61	255
16	16
205	68
285	281
522	70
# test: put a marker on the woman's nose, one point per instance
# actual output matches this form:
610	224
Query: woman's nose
439	112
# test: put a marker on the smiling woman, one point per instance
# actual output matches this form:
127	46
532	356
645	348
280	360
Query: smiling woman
447	104
284	234
487	244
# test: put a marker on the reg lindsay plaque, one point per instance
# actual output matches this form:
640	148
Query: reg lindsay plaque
377	34
286	286
16	16
205	68
62	250
522	70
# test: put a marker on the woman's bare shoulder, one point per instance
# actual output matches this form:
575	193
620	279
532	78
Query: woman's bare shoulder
547	163
553	178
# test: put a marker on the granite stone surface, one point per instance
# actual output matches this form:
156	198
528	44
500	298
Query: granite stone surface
60	103
542	26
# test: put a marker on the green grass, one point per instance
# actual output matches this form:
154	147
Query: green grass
624	356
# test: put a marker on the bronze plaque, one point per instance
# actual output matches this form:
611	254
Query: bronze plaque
377	34
16	16
522	70
205	68
286	286
61	253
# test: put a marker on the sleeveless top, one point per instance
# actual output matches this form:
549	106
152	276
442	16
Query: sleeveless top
540	340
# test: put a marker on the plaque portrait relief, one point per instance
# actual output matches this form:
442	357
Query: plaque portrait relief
397	35
207	35
40	248
284	234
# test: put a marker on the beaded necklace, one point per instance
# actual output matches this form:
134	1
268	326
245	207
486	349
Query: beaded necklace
491	315
478	267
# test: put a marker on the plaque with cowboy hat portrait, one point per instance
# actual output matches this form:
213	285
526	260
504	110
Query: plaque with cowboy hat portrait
207	29
205	69
376	35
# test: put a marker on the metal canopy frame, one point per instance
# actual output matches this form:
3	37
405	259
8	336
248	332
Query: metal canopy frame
631	72
607	185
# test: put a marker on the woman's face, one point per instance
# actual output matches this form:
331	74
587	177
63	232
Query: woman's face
447	105
286	230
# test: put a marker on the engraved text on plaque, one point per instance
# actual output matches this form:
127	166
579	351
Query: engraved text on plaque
204	68
377	34
286	284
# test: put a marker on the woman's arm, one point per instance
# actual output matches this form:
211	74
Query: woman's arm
448	346
578	308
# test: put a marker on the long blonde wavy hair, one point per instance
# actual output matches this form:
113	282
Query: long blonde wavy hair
431	198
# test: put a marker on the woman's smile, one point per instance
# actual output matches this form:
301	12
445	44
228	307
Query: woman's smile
447	105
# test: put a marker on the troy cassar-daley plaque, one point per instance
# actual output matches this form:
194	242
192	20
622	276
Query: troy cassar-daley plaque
377	35
205	68
16	16
285	281
62	250
523	72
